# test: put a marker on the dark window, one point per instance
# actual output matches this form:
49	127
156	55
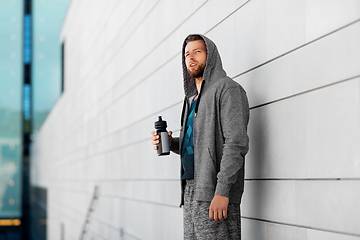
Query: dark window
62	67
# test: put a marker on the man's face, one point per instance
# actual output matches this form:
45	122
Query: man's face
195	58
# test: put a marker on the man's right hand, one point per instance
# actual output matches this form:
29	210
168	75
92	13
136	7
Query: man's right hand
155	138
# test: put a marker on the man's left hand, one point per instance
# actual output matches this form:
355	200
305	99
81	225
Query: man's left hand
218	207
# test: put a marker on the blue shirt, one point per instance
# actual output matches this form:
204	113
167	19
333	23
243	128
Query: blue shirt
188	145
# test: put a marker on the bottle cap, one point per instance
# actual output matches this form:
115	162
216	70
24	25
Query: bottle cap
160	123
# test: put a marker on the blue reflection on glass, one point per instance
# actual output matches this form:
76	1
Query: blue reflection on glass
27	39
27	102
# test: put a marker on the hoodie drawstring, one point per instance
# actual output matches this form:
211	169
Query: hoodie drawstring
183	113
198	100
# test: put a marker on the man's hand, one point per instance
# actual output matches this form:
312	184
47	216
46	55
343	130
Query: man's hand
218	207
155	138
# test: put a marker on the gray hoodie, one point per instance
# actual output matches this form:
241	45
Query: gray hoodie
220	130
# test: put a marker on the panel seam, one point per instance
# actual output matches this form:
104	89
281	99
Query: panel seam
300	226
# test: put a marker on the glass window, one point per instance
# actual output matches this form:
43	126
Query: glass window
47	57
11	82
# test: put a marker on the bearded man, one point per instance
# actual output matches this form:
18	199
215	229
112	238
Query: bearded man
212	145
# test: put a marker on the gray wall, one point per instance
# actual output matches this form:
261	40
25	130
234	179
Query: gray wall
299	63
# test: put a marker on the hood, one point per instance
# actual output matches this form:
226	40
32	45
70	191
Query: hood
213	70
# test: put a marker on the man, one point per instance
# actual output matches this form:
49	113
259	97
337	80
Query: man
212	144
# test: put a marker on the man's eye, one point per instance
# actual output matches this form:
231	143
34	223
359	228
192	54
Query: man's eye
186	55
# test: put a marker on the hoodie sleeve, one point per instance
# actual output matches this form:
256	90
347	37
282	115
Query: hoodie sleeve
175	145
234	117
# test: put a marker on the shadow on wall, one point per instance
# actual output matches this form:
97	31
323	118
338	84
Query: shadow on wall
256	161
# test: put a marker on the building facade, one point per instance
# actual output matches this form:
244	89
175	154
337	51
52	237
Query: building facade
297	60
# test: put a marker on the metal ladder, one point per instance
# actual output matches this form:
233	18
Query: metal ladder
89	213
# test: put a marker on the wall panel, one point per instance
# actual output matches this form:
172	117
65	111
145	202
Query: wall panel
307	143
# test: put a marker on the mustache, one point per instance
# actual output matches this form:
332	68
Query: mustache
194	62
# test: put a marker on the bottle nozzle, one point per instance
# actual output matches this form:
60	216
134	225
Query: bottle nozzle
160	123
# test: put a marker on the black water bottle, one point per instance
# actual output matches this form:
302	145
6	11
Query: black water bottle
163	147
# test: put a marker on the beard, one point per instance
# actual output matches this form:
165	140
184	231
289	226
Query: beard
196	73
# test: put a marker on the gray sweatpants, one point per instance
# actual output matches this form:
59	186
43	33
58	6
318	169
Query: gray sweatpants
199	226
